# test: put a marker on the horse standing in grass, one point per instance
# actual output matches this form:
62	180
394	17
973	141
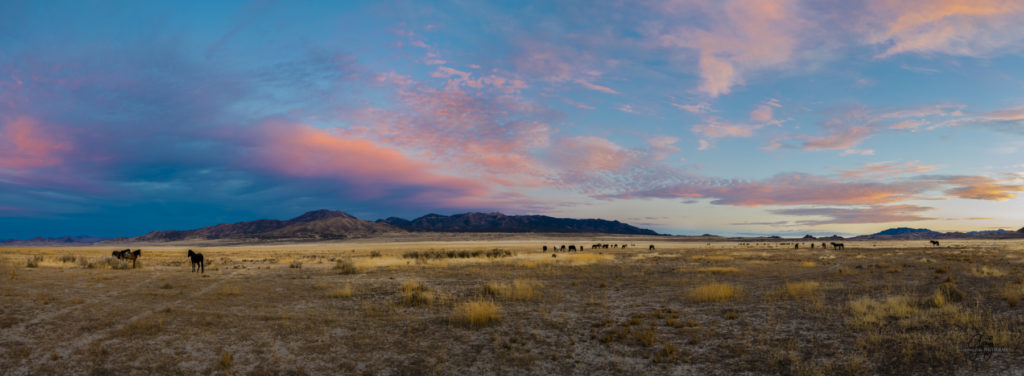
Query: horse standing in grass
131	255
120	255
197	261
935	242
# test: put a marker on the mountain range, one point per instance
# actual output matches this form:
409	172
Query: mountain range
331	224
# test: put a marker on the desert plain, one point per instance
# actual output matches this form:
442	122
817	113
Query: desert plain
501	305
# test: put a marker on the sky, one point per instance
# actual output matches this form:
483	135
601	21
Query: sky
773	117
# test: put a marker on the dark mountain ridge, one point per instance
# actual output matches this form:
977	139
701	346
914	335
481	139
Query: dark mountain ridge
332	224
498	222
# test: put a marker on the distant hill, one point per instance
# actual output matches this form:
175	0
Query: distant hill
906	233
317	224
332	224
497	222
41	241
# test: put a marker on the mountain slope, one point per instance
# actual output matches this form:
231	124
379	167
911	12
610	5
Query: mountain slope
498	222
317	224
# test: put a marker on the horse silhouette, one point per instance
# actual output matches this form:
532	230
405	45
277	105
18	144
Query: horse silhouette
197	261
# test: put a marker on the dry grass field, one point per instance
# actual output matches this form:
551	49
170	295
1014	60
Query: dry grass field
460	307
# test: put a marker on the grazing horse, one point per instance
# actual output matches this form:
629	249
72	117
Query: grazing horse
624	246
838	246
563	248
651	248
131	255
197	261
935	242
572	248
545	248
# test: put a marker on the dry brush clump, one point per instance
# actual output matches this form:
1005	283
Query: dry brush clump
519	289
345	266
803	289
343	291
450	254
714	270
476	313
714	292
414	293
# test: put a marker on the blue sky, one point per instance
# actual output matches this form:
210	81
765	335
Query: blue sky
693	116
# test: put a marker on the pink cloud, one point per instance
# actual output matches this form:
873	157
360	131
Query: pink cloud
699	108
871	214
887	169
838	138
982	188
762	114
788	189
596	87
25	143
955	27
299	150
742	36
713	128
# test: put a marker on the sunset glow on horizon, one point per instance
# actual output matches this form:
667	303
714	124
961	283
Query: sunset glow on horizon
776	117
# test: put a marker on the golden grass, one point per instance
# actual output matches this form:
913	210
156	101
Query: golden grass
415	293
710	258
476	313
519	289
1012	293
713	270
341	292
808	264
866	310
988	271
714	292
229	290
802	289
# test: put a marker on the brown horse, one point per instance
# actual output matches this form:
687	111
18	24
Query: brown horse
131	255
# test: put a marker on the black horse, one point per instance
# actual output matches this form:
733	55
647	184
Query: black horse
197	261
935	242
838	246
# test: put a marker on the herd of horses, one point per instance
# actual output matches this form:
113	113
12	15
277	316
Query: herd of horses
127	254
574	248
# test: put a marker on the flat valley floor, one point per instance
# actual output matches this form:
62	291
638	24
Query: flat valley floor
506	307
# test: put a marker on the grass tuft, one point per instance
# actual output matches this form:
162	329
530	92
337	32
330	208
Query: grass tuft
714	292
340	292
802	289
519	289
345	266
415	293
476	313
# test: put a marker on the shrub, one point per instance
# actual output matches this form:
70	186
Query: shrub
340	292
519	289
713	292
803	289
33	262
345	266
415	293
869	311
224	361
476	313
296	264
67	259
375	254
